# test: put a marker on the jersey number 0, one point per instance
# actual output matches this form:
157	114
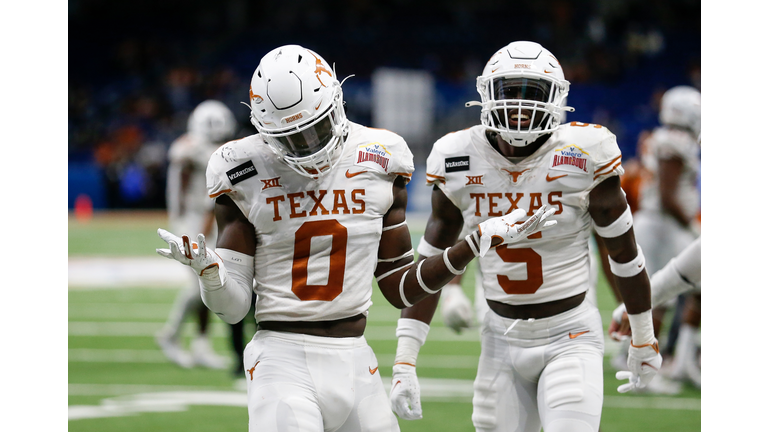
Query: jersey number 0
301	251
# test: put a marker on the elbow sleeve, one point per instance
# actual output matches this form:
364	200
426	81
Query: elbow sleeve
230	298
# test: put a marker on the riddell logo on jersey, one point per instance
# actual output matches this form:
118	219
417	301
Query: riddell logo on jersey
241	172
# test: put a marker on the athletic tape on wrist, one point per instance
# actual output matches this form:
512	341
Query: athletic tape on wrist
421	281
617	227
642	328
411	335
412	328
426	249
450	266
628	269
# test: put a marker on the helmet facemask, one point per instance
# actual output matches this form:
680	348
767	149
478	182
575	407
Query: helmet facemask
519	108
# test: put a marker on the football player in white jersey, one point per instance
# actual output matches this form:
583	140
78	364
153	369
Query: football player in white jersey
313	208
682	274
542	344
669	204
209	125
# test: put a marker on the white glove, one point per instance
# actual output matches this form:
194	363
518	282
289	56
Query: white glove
405	395
189	253
509	230
456	308
643	363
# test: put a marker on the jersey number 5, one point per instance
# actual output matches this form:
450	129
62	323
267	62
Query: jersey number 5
301	250
532	262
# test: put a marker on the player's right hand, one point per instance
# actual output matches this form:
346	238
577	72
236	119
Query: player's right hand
508	230
643	362
195	255
456	308
405	395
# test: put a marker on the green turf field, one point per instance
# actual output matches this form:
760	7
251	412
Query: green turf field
120	381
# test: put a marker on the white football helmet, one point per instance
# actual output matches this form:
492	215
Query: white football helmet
681	106
297	107
213	121
523	92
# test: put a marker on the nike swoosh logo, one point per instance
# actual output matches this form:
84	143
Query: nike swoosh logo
546	71
574	336
318	105
398	382
350	175
649	365
494	70
549	179
373	371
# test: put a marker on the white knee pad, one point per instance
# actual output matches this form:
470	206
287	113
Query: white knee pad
484	405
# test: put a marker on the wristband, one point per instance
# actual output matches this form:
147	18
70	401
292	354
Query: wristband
618	227
473	242
387	228
450	266
426	249
421	281
628	269
402	289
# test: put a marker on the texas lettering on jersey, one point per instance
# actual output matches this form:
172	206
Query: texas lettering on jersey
493	204
317	203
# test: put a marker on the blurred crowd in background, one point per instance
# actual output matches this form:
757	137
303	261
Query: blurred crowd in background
138	68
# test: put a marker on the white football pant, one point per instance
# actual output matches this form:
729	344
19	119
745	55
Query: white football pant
308	383
546	372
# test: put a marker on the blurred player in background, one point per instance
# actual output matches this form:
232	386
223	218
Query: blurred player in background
313	207
210	125
682	274
542	344
666	221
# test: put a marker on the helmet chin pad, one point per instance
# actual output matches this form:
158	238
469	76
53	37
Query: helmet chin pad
517	140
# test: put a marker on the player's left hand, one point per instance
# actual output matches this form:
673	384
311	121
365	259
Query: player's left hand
405	395
619	328
508	230
643	363
195	255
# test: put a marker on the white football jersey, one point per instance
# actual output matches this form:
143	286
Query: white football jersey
483	184
192	150
666	143
317	241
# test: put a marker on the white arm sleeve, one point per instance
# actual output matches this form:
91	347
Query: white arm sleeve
681	274
228	293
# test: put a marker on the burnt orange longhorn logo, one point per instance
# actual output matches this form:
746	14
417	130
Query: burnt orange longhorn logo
320	68
250	371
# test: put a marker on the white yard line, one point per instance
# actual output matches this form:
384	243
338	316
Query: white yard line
127	400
